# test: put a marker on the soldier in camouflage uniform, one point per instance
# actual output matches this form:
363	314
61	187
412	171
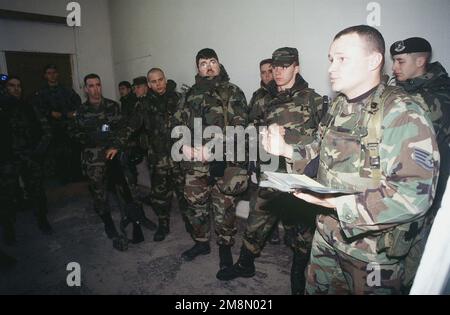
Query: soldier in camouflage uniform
141	137
93	126
9	176
259	100
56	103
212	186
167	177
127	98
261	97
153	119
297	108
137	133
428	82
30	143
8	169
132	154
378	142
136	145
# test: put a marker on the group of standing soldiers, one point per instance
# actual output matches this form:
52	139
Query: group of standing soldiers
34	127
31	128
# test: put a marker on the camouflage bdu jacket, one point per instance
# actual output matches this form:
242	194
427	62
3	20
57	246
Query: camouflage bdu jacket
139	124
58	99
216	102
165	117
383	145
152	121
257	105
434	87
94	127
30	137
298	110
127	104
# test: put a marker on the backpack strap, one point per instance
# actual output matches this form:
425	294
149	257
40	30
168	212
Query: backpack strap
372	121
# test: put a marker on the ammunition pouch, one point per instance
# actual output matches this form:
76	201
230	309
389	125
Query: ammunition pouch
234	181
397	243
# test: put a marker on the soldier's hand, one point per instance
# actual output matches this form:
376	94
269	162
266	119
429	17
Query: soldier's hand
111	153
56	115
274	143
188	152
327	202
71	115
202	154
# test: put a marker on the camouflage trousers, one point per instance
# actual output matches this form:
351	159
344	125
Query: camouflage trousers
32	176
202	197
269	206
165	182
98	185
8	185
334	272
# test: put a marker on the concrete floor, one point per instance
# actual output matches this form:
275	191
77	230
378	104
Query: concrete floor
146	268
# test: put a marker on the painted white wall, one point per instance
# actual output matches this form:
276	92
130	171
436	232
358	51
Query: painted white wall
169	33
90	44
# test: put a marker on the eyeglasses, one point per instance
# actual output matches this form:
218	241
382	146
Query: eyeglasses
205	64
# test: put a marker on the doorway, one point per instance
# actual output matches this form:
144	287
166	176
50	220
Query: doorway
29	66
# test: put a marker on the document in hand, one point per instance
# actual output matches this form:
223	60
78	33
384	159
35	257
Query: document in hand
293	182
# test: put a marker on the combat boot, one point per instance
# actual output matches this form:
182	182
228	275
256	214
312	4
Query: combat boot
138	236
226	258
298	279
200	248
244	267
162	231
110	228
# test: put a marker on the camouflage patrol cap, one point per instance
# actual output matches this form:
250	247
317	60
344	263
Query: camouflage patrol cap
139	81
410	45
126	84
284	57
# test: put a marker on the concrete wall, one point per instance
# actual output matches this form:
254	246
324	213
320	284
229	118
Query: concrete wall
168	33
90	44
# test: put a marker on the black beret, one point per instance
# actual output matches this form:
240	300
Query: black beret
410	45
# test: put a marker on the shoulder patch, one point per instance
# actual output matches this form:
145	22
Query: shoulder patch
424	159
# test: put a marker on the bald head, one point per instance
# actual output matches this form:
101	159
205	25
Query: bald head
157	81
